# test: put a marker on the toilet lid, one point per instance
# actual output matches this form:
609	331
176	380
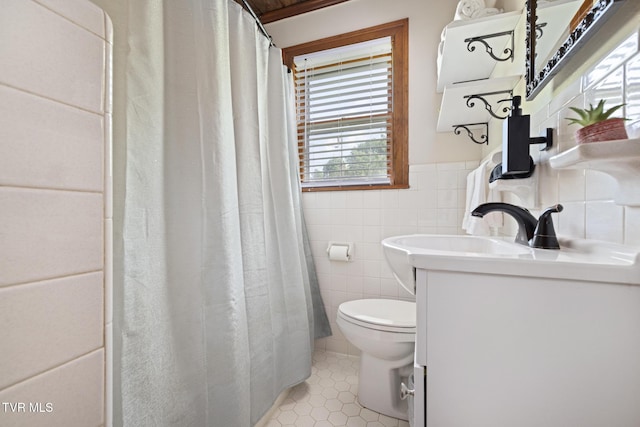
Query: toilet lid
382	312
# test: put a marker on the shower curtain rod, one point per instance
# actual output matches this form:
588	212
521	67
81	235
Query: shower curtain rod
264	31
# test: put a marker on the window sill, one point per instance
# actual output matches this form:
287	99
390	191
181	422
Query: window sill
356	187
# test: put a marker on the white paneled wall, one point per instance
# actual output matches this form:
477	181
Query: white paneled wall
55	213
434	203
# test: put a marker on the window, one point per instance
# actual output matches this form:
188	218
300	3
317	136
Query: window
351	101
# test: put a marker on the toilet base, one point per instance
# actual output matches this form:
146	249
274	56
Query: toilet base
379	385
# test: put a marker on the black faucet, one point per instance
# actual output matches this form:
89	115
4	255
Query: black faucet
526	222
531	232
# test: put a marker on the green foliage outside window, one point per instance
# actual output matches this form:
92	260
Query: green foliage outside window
366	159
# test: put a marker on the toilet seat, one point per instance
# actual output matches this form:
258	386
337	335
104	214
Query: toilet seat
381	314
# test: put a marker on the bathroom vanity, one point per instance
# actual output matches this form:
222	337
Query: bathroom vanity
513	336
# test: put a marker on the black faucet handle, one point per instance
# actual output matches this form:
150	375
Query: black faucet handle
544	236
551	209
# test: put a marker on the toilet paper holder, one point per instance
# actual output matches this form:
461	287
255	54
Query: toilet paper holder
341	246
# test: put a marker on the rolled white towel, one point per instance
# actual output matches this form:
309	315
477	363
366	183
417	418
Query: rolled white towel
466	8
489	11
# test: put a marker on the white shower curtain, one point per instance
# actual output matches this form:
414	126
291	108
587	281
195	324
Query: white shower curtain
218	313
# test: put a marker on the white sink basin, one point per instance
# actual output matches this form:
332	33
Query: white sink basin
577	259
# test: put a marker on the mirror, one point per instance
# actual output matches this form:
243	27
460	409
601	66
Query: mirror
553	27
555	31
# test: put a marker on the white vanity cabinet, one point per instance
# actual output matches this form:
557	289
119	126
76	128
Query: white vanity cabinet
504	350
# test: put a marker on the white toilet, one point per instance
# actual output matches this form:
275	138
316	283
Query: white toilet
384	331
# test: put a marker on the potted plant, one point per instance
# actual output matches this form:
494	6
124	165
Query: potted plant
598	124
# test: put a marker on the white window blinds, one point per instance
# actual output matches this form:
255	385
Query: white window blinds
344	102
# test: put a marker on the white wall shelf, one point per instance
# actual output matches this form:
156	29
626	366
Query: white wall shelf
620	159
457	64
455	111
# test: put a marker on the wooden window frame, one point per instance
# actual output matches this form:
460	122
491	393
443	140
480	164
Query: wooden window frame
399	33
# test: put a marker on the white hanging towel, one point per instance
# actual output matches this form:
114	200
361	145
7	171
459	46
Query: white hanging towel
478	192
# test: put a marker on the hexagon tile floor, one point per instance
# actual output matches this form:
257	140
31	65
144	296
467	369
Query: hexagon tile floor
328	398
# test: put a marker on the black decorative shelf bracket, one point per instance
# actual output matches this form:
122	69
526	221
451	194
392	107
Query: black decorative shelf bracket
481	97
508	51
484	137
539	30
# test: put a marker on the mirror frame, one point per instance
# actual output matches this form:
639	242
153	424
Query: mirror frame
595	18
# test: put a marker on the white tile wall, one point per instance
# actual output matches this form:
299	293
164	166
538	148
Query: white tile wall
65	149
70	75
49	233
46	325
434	203
55	213
73	390
588	195
83	13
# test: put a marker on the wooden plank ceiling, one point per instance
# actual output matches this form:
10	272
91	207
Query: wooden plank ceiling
274	10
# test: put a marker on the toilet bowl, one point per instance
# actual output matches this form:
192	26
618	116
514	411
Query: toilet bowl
384	331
